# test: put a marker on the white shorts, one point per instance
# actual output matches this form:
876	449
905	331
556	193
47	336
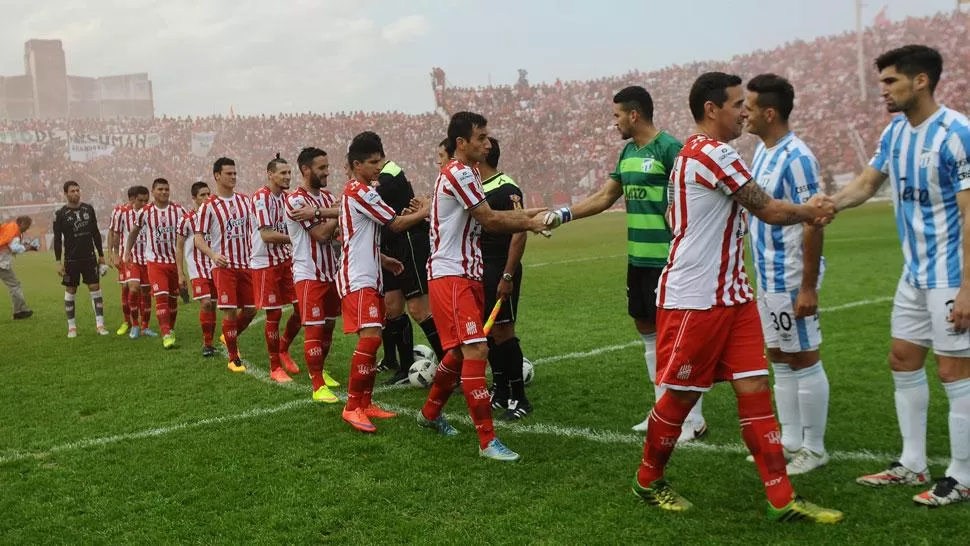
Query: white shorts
781	329
921	316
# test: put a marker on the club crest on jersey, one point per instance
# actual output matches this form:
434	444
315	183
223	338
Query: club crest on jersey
926	159
471	327
647	164
372	311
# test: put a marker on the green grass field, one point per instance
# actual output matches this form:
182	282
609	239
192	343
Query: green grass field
107	440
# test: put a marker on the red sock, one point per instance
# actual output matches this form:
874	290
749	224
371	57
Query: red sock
208	321
476	395
146	307
173	311
229	330
292	329
760	432
445	381
314	353
665	421
362	372
161	311
243	322
125	305
271	332
134	303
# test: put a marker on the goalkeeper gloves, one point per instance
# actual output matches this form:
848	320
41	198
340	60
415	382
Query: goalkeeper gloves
556	218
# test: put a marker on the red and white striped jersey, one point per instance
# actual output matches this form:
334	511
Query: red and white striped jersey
226	221
706	263
161	225
455	235
312	260
198	264
268	212
362	213
138	249
117	217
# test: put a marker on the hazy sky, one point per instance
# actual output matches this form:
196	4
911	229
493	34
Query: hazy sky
329	55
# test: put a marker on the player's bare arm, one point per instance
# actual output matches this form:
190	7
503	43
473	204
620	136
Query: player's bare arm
516	250
806	303
218	260
960	316
180	259
773	211
860	189
405	221
130	243
307	213
270	235
392	265
323	232
112	245
510	221
603	199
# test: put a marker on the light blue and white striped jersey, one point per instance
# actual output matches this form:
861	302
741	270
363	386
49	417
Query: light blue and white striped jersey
787	171
928	166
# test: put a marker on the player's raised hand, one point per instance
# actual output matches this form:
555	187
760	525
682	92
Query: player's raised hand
960	315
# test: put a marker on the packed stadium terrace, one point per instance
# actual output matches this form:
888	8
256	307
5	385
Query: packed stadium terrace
553	134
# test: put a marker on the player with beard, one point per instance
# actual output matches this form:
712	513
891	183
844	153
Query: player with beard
76	239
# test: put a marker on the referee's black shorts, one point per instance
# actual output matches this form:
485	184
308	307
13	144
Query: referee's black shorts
493	274
641	292
78	271
413	250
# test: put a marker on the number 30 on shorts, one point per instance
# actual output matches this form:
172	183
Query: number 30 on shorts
782	321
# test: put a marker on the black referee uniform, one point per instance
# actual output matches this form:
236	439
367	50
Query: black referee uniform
76	239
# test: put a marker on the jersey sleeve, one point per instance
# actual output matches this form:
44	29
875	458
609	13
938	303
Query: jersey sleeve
801	179
369	203
260	210
466	186
141	217
880	160
670	155
957	156
204	221
115	224
724	169
185	226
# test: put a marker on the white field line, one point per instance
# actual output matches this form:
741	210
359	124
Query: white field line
859	303
574	260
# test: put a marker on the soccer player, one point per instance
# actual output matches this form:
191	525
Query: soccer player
272	268
11	243
788	263
502	279
77	238
459	212
641	178
196	268
412	248
315	266
924	152
444	154
136	270
160	219
116	248
359	277
708	325
225	218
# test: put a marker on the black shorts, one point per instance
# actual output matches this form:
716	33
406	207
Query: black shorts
510	308
413	251
641	292
78	271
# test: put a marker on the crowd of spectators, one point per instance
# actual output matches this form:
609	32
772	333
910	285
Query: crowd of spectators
557	138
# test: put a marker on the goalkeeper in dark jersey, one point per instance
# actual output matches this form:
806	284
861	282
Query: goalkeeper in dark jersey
76	240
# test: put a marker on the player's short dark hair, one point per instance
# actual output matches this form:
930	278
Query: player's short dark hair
159	182
220	163
24	221
774	92
493	154
447	146
913	60
69	184
197	187
361	149
132	192
636	98
307	155
462	125
710	87
274	163
372	136
135	191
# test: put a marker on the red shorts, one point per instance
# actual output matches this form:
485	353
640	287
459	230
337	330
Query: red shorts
318	302
203	288
695	348
234	288
137	272
274	286
457	305
164	278
362	308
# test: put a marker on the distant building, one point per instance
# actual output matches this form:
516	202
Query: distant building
46	91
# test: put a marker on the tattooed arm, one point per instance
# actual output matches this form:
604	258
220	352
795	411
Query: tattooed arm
778	212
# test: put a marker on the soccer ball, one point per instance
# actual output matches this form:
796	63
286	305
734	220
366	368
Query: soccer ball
422	373
423	352
528	371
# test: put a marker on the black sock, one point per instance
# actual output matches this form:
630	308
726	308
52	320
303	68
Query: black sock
405	341
498	360
431	332
512	353
389	340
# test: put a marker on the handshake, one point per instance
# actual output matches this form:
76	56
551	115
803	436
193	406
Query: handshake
824	208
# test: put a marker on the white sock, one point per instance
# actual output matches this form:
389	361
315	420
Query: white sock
97	298
650	355
912	404
696	415
813	406
786	400
959	394
69	308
